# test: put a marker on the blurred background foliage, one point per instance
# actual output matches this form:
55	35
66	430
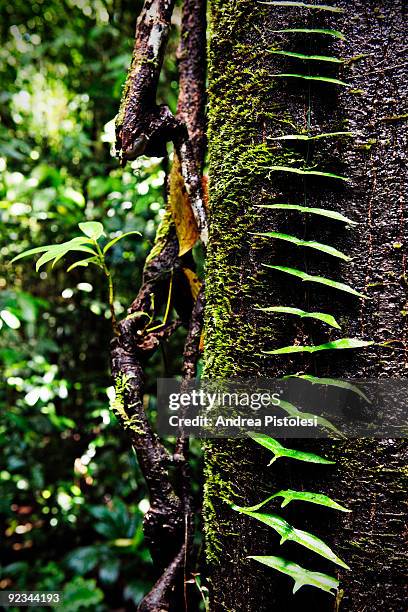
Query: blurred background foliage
72	497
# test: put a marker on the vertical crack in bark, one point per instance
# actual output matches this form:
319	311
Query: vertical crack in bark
143	127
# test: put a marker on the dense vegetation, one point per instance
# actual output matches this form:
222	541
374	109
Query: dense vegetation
72	497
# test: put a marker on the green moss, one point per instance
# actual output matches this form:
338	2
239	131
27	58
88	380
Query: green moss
117	405
240	103
161	236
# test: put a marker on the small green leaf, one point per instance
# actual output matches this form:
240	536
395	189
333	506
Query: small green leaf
317	279
48	247
83	263
312	244
115	240
331	214
41	249
307	77
59	252
291	410
320	316
304	172
307	138
331	382
92	229
343	343
302	56
334	33
304	5
290	495
287	532
280	451
300	575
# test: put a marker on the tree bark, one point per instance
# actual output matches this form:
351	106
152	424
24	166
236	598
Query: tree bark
247	107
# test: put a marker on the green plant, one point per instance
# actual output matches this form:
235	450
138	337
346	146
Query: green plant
303	576
89	243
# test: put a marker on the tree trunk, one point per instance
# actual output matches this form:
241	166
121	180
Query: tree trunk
248	107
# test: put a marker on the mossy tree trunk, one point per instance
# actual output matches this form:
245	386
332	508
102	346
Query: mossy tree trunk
247	108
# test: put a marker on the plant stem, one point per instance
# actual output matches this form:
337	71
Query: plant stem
111	297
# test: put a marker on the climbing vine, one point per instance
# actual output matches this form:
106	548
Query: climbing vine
302	576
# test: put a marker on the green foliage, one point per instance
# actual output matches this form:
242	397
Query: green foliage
317	279
333	33
302	56
306	137
300	575
280	451
54	252
63	453
305	5
324	212
80	594
307	172
291	410
312	244
289	533
343	343
290	495
319	316
308	77
342	384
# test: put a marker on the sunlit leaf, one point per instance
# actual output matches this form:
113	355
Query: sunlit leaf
305	496
300	575
287	532
305	137
305	5
320	316
281	451
312	244
317	279
48	247
115	240
60	252
83	263
324	212
34	251
343	343
331	382
302	56
92	229
334	33
305	172
307	77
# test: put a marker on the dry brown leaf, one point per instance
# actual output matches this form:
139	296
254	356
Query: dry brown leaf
186	226
193	281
